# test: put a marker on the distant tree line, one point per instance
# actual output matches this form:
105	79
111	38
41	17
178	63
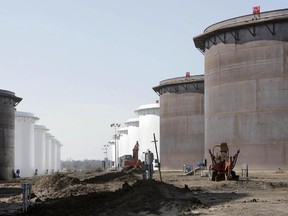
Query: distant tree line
77	165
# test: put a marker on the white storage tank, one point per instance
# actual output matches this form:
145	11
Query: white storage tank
39	143
111	153
48	143
24	143
58	156
123	142
53	154
133	133
149	124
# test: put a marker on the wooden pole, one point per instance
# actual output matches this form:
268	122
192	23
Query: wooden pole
155	141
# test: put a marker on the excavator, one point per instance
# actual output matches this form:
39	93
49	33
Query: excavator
128	162
222	164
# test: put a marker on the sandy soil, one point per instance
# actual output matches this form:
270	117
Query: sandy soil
119	193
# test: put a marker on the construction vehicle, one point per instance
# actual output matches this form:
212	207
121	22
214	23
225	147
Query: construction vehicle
222	163
128	162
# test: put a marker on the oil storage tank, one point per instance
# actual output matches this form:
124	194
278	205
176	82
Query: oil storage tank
48	153
39	142
58	156
8	102
181	121
148	116
123	142
132	125
246	87
24	143
54	142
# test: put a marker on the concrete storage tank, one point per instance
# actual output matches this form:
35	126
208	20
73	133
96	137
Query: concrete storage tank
24	143
48	146
8	102
181	121
148	116
111	153
123	142
246	87
39	142
133	132
58	156
53	155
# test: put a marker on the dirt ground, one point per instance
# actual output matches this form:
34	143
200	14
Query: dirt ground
119	193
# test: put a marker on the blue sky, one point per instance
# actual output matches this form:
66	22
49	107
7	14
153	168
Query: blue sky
80	65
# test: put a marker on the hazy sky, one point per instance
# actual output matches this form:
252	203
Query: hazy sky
80	65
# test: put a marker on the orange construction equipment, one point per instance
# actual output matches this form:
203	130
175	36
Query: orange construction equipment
128	162
222	164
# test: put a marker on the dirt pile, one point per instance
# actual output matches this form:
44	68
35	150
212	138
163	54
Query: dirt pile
53	186
142	198
106	177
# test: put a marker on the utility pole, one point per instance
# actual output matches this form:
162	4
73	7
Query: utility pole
159	165
115	125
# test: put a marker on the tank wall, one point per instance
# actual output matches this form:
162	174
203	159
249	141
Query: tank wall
7	140
58	157
39	142
123	144
149	124
48	141
24	145
111	152
53	155
181	129
133	134
246	97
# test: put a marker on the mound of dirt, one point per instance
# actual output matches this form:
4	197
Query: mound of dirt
50	186
142	198
106	177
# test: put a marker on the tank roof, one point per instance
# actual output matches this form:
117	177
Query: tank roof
25	114
148	106
181	80
40	126
122	129
171	85
240	22
9	94
132	120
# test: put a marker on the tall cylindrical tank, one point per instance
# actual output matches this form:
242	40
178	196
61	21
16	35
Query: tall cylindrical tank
53	155
8	102
181	121
39	143
24	143
48	147
111	153
58	156
149	121
123	142
133	133
246	87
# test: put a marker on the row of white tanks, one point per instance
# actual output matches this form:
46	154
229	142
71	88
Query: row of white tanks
37	152
139	129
